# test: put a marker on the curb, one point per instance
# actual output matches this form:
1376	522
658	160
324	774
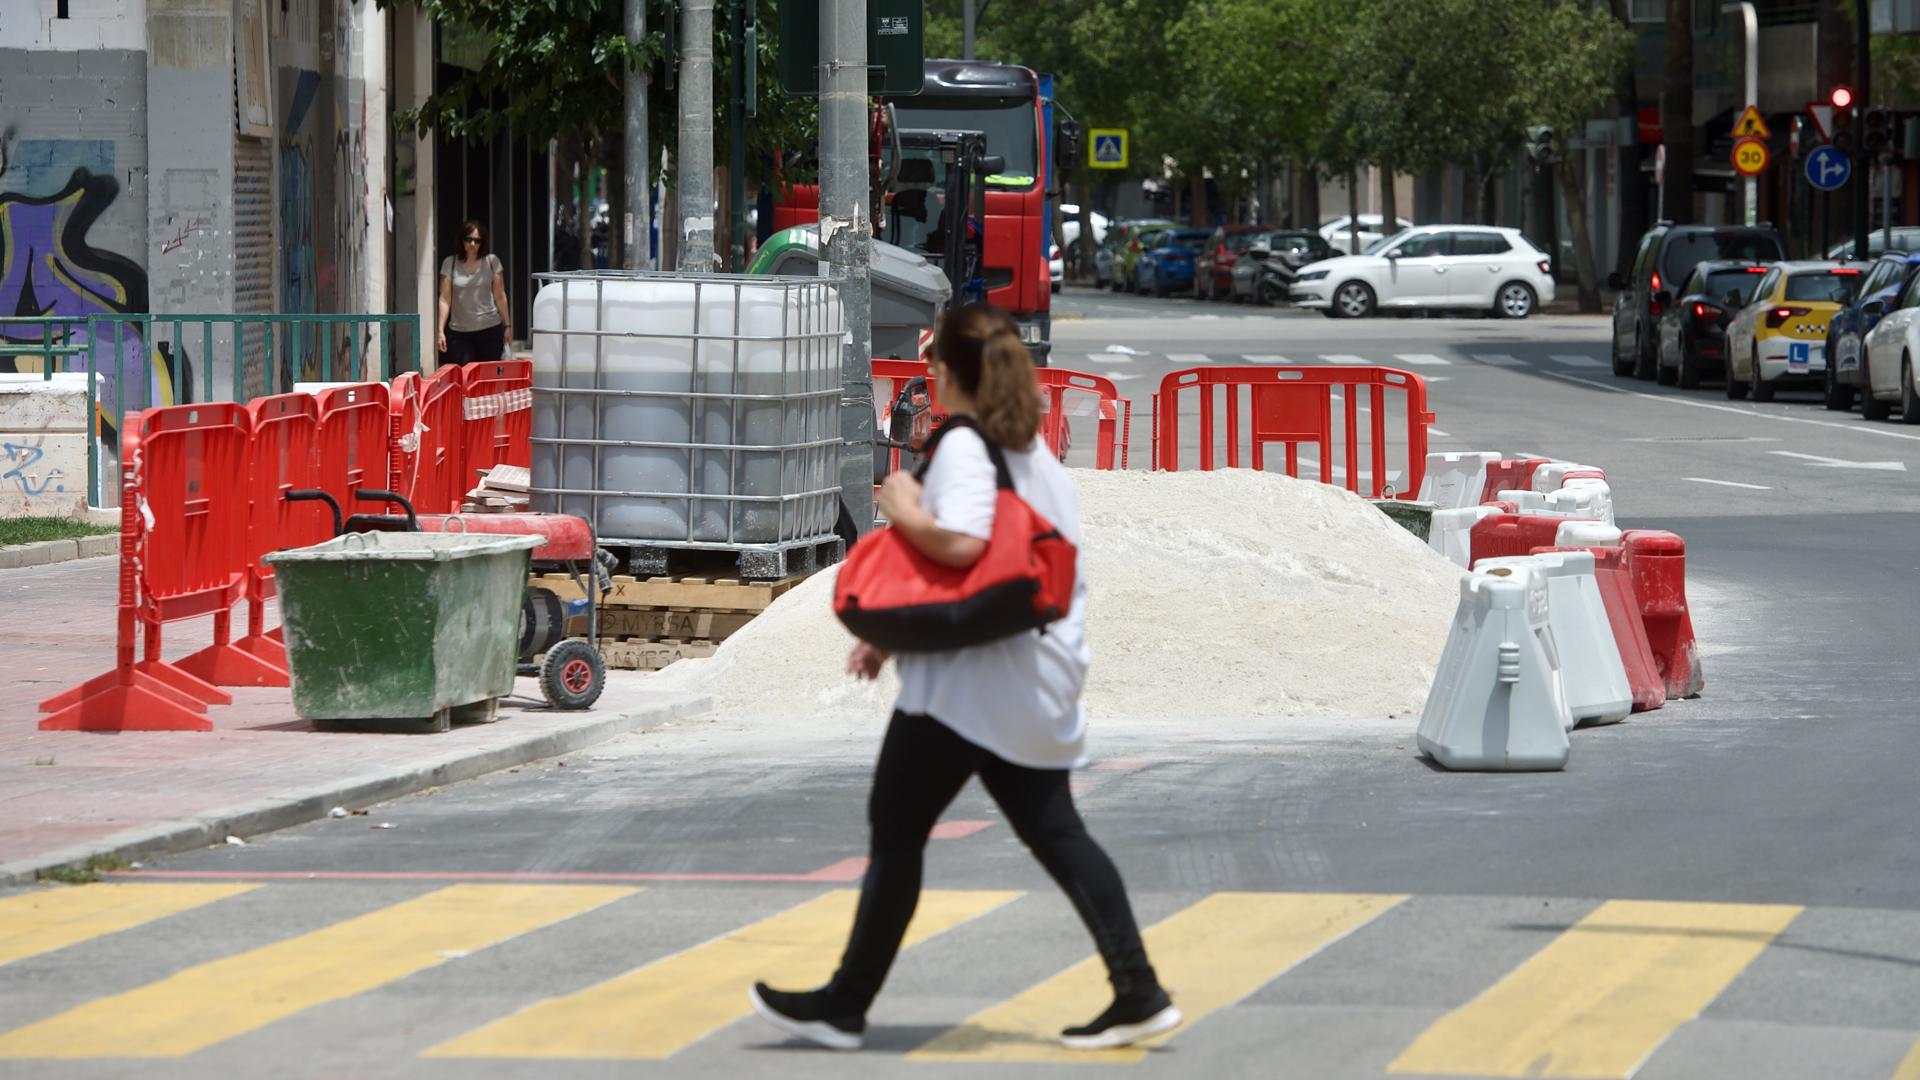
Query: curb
47	552
309	804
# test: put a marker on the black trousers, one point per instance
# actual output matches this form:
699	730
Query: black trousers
923	765
475	346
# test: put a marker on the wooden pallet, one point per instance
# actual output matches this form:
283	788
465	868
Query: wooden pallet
795	558
661	623
682	593
637	654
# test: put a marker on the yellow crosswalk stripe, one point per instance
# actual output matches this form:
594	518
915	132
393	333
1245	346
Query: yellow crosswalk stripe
1602	996
655	1010
1909	1066
48	919
1210	955
216	1001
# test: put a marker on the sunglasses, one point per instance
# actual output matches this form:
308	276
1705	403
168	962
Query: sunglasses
472	239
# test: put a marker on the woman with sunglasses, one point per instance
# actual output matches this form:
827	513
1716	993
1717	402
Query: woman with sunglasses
474	319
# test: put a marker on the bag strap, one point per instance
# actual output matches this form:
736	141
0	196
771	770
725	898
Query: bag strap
1003	477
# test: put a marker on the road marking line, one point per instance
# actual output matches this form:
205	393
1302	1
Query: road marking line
1577	361
956	830
655	1010
1108	358
1499	360
1188	359
1213	953
216	1001
1265	358
1727	483
1345	358
1438	432
1422	359
1909	1068
1862	427
48	919
1603	995
847	869
1841	463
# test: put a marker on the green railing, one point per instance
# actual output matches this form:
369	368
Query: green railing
173	359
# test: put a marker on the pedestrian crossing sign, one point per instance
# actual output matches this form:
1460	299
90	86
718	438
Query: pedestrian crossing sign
1108	148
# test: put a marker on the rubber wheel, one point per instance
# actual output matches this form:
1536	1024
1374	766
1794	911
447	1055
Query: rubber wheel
1688	377
1515	301
1663	374
1736	388
1909	397
1353	300
541	622
1761	388
1839	398
1644	360
572	675
1622	366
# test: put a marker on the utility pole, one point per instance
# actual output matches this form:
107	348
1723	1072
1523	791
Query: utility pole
1751	22
634	224
695	170
1862	199
848	236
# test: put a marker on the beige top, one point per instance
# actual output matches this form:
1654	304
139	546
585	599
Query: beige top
473	307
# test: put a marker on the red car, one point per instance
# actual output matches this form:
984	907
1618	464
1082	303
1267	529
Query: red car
1213	266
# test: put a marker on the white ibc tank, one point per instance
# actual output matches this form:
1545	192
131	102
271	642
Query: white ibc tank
1497	700
681	410
1591	671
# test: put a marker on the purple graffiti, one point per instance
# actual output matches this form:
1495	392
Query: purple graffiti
50	270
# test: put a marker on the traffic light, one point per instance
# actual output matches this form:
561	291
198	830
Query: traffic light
1876	136
1842	135
1540	146
1842	98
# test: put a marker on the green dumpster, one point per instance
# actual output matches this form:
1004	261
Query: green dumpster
405	632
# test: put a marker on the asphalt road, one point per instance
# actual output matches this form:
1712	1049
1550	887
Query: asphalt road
1722	888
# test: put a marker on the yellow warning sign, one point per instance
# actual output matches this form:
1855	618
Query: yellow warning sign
1750	126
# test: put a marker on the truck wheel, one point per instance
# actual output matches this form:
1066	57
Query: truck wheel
572	675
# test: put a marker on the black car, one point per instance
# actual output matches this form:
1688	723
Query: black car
1693	329
1667	254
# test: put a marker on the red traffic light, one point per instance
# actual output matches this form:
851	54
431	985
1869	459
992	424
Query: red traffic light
1842	97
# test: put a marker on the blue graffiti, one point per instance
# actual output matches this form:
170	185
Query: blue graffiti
26	456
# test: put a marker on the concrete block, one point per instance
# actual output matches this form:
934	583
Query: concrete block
23	555
91	547
42	474
33	403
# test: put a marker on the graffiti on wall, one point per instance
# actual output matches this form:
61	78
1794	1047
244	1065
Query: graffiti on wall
52	269
299	255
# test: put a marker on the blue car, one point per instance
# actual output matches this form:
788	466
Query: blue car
1890	273
1168	264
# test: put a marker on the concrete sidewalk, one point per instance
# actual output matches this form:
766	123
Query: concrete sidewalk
67	796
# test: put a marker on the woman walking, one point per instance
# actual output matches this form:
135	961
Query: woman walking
474	319
1007	711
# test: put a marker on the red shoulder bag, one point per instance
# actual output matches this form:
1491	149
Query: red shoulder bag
891	595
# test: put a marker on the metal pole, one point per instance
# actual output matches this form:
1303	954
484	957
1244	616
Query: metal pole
737	132
696	136
1886	203
1752	21
1862	203
848	236
634	227
967	24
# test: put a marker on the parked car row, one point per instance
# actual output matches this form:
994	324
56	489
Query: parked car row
1706	302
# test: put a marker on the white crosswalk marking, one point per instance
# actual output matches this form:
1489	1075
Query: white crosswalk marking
1265	358
1576	361
1345	358
1108	358
1188	359
1499	359
1421	359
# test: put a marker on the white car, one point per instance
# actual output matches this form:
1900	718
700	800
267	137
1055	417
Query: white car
1888	355
1471	267
1339	231
1070	224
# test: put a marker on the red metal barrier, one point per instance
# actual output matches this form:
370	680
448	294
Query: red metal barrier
1657	563
352	441
1513	474
1114	411
427	439
1294	406
895	375
285	453
183	554
497	415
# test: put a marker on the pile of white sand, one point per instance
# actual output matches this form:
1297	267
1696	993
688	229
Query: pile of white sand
1215	597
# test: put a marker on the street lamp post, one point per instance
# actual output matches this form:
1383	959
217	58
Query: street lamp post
1752	21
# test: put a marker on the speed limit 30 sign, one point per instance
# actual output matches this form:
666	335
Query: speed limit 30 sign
1749	157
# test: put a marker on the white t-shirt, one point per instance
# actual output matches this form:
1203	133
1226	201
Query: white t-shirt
1018	697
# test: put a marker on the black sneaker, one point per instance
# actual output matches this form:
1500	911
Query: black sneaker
1128	1020
808	1016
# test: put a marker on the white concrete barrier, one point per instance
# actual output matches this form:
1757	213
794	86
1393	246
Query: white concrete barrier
43	444
1497	701
1451	532
1553	474
1583	498
1524	501
1587	534
1454	481
1591	671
